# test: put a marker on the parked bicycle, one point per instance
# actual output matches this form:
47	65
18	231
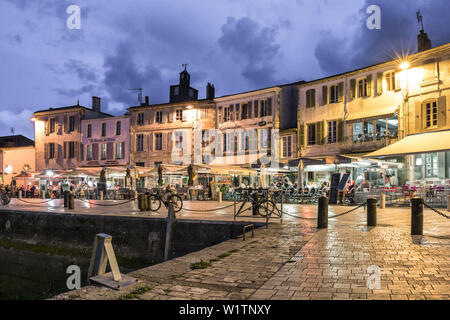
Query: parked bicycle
156	198
260	204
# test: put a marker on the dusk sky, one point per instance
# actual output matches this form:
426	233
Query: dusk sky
238	45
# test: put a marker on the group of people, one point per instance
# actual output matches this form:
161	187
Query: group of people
28	191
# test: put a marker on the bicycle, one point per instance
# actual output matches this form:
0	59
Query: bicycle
168	198
260	204
4	197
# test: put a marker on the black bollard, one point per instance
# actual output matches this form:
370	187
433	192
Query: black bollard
322	214
417	216
71	201
140	202
66	199
371	212
148	204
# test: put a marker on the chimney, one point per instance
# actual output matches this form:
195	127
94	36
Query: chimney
423	43
95	104
210	91
147	101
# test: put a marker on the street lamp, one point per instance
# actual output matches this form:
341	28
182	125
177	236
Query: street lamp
404	65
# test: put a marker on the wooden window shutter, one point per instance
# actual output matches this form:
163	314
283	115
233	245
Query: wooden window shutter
319	133
442	112
294	146
123	150
269	106
65	149
81	152
47	127
150	142
324	95
340	130
302	135
46	151
418	117
255	110
220	115
95	151
341	91
379	83
66	124
352	88
249	109
369	85
397	83
110	150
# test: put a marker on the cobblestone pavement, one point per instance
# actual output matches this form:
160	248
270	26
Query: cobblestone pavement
293	260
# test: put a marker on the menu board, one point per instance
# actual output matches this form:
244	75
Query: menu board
335	177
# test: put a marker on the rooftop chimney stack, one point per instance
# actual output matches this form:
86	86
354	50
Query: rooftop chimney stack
147	101
423	42
96	104
210	91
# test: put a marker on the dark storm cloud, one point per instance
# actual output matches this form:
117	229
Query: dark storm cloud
397	35
122	74
73	93
255	46
83	71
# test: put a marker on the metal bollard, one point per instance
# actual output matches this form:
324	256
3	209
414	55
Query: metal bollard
417	216
148	203
322	214
219	197
71	201
140	202
383	201
66	199
101	195
371	212
20	194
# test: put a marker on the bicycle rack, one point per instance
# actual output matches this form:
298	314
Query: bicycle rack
248	226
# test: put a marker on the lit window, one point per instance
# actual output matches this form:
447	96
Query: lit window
431	114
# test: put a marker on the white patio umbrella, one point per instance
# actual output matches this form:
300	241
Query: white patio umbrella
300	174
262	176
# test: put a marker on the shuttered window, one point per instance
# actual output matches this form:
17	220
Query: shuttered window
312	134
332	131
140	142
310	98
103	151
287	146
431	114
158	141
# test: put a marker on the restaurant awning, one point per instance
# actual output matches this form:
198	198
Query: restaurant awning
306	162
243	159
224	170
373	114
415	144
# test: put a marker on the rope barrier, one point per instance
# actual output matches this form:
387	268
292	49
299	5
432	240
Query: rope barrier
335	216
107	205
33	202
437	211
351	210
208	210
